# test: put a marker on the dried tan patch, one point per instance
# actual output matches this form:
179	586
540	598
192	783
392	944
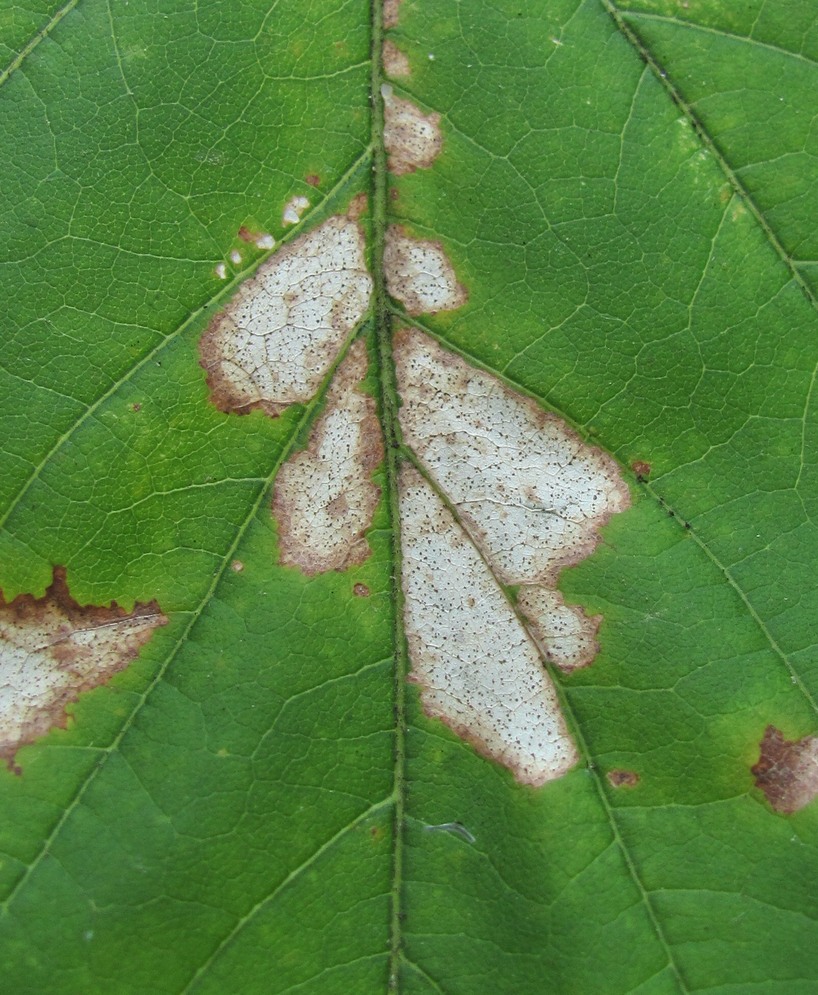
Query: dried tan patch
566	635
418	274
278	337
395	63
391	13
623	778
476	666
787	770
324	496
52	649
412	138
293	210
529	492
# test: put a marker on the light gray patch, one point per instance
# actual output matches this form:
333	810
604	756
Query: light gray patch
413	139
278	337
787	770
565	634
324	497
419	275
477	668
530	492
52	649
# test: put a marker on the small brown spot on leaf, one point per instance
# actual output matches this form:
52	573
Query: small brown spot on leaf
419	274
787	770
136	407
324	497
391	13
395	63
623	778
52	649
313	179
278	337
357	206
237	566
412	138
641	469
361	590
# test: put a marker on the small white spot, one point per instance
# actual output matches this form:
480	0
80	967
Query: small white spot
419	274
431	57
221	271
293	210
278	337
324	496
265	241
235	257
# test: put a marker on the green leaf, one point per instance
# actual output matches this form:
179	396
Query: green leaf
258	802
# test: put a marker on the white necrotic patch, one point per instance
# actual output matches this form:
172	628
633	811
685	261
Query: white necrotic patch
52	649
418	274
530	492
476	666
412	138
278	337
324	496
293	210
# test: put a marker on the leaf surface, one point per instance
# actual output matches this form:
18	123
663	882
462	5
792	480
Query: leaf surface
258	803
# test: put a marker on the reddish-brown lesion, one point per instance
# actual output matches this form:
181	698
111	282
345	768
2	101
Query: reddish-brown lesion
787	770
623	778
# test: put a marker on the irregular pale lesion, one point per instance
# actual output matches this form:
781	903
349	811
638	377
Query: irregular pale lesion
324	496
527	496
276	340
52	649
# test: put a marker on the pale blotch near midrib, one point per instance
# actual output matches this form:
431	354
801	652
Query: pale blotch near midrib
412	139
324	497
419	275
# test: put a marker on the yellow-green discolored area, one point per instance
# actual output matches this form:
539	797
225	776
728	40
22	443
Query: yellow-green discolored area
623	191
